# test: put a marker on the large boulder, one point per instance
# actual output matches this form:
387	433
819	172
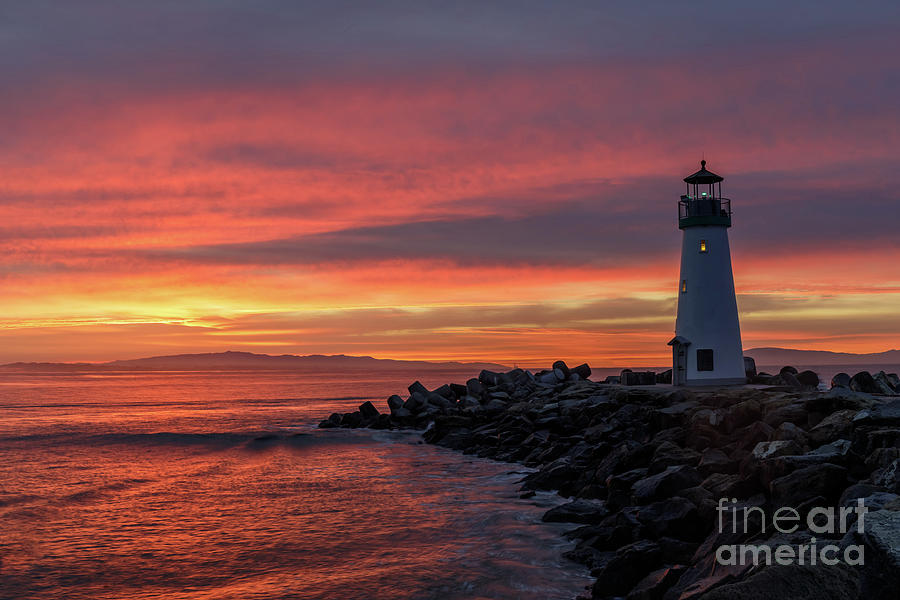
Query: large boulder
665	484
417	386
630	564
808	378
668	454
841	380
654	585
561	370
764	450
577	511
835	426
583	371
674	517
368	411
864	382
394	402
884	384
795	488
749	367
793	582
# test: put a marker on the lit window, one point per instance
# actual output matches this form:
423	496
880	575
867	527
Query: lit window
702	245
683	286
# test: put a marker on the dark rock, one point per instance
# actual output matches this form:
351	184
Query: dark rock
790	380
858	490
332	421
415	402
445	391
495	406
882	457
836	425
654	585
582	370
886	387
491	378
788	369
554	476
748	437
668	454
459	390
881	538
889	477
417	386
674	415
394	402
577	511
742	414
841	380
864	382
808	378
469	403
561	370
674	517
353	419
826	480
665	484
790	432
630	564
793	582
368	411
883	415
723	485
764	450
474	388
749	367
715	461
793	412
677	551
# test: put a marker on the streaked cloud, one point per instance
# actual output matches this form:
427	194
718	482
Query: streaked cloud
501	177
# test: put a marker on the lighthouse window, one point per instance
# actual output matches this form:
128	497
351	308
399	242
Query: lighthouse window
702	245
704	360
683	286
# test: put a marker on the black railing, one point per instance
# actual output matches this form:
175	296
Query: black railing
704	210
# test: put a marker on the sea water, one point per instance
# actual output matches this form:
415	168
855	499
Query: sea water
218	486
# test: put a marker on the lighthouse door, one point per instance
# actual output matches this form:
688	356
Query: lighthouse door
679	359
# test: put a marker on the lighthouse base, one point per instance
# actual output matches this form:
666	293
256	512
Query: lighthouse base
722	381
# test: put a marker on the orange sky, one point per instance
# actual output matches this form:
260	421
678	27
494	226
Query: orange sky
446	207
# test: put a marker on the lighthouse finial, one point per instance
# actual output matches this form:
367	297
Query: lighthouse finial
703	164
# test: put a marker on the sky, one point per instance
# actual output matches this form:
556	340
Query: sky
439	180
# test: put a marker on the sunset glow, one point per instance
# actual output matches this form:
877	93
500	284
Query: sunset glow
515	203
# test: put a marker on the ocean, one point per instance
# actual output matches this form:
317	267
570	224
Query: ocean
219	486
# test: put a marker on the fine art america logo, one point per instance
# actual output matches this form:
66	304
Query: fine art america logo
820	520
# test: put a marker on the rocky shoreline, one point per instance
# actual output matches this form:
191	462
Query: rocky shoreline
665	485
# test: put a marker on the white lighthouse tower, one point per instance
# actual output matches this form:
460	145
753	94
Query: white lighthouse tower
706	349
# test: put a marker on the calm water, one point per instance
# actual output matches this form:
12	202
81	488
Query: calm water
137	485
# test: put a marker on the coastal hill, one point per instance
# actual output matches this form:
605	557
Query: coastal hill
228	361
787	356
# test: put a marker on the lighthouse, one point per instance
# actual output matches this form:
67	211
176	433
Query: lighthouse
706	349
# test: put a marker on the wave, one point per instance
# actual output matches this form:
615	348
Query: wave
211	440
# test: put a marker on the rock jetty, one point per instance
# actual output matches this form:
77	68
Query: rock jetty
664	485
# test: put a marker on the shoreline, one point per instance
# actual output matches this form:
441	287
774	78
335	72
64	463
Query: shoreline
647	469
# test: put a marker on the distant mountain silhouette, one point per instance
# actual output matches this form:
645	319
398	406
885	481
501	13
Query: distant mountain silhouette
788	356
228	361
